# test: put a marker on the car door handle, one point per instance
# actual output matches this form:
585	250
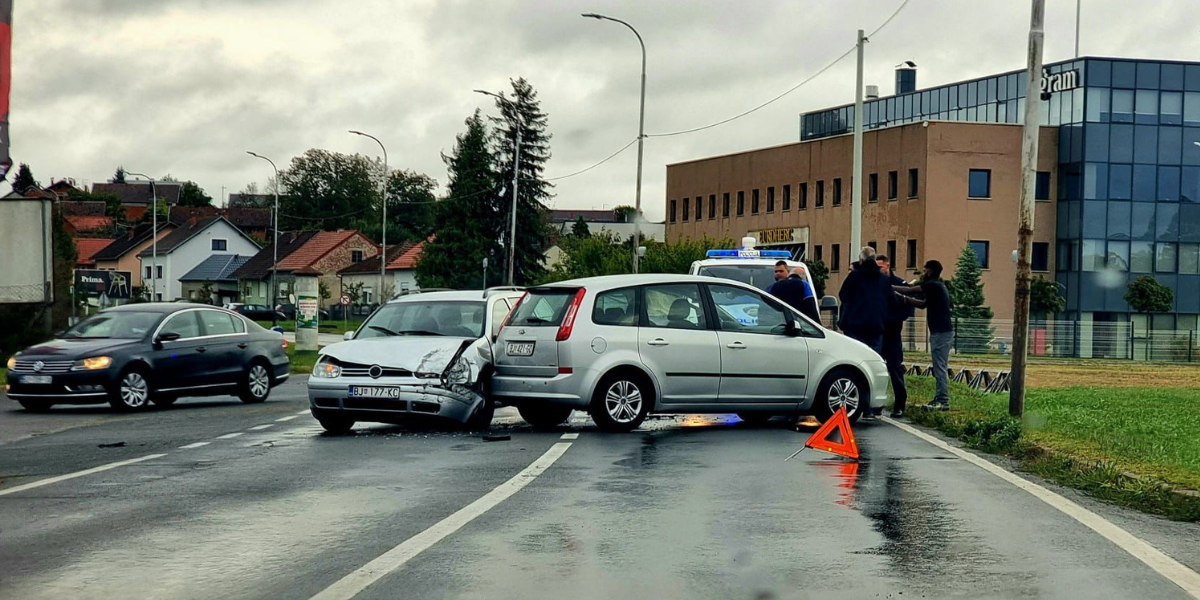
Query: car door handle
658	342
736	346
243	345
201	349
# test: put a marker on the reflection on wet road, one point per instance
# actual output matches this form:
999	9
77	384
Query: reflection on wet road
695	507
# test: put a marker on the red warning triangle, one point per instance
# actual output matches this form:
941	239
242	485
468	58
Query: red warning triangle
820	440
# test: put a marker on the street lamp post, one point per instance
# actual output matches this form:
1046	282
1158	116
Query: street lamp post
637	226
383	198
275	243
512	237
153	233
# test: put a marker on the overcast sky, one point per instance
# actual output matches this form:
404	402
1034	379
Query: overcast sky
186	86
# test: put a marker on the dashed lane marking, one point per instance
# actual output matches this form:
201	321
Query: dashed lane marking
230	436
304	412
196	445
261	427
354	583
1154	558
49	480
570	436
287	418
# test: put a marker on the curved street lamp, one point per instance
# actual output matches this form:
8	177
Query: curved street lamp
512	236
153	233
275	243
383	199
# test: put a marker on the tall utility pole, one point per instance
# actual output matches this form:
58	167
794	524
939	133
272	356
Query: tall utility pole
274	244
153	235
637	206
856	177
517	124
383	199
1029	156
1078	10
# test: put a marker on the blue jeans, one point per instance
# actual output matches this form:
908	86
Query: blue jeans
875	341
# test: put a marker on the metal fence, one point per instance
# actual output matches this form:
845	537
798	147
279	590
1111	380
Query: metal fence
1062	339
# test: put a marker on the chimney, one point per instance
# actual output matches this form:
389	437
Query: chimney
192	221
131	229
872	92
906	77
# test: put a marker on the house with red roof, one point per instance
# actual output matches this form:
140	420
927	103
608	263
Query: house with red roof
400	272
87	248
324	253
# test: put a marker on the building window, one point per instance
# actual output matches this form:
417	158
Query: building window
787	198
148	275
1040	261
835	264
1042	188
891	253
220	245
712	206
698	207
158	297
873	188
687	209
671	212
741	207
837	191
356	256
913	182
820	203
892	185
1166	257
158	271
910	260
981	252
818	254
804	196
725	205
754	201
771	199
979	183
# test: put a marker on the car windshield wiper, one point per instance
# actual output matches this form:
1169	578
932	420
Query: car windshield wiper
419	332
385	330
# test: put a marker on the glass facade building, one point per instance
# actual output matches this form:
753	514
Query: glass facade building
1128	193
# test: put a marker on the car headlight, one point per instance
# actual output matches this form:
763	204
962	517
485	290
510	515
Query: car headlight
460	372
94	363
326	368
12	363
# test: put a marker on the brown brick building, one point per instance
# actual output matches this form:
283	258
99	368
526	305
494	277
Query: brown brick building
919	203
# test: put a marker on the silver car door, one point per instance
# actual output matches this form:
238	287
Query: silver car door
761	362
676	343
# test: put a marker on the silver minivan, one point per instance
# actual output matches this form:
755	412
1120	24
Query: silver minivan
624	346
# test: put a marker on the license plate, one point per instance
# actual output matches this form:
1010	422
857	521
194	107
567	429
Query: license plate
357	391
519	349
38	379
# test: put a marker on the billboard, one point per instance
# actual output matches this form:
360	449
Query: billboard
26	273
114	285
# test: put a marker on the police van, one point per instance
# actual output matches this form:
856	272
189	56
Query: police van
747	265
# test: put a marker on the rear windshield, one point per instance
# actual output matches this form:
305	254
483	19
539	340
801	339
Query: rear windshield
543	308
759	276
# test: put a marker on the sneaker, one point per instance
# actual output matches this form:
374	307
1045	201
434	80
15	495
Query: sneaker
896	414
938	404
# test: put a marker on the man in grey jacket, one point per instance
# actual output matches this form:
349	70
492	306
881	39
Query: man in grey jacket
936	302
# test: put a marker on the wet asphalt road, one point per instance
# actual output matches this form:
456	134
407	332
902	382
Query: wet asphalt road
699	507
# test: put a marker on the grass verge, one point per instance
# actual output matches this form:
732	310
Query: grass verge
1133	447
302	360
325	327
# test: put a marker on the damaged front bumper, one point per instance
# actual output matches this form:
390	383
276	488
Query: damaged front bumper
413	398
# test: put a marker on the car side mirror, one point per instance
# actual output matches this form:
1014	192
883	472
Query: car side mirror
169	336
349	335
791	329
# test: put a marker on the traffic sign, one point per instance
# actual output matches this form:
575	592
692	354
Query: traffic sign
345	300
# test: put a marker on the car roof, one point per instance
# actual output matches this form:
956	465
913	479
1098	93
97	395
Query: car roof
159	307
754	262
449	296
612	281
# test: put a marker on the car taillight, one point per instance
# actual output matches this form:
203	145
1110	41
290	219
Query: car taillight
568	322
508	318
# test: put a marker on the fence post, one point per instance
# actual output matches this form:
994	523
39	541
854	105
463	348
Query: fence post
1191	342
1130	339
1075	338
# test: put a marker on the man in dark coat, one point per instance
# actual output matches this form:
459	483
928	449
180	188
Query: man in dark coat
867	298
893	346
794	290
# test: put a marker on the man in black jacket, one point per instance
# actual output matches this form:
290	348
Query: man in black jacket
867	298
893	347
794	290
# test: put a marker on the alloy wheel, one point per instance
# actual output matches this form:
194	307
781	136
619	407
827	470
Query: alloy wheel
135	391
843	393
260	382
623	401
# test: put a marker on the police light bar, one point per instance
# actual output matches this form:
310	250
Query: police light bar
748	254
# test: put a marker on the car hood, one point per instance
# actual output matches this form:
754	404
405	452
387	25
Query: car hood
411	353
64	348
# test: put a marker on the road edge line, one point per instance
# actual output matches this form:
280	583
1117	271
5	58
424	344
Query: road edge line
49	480
1175	571
354	583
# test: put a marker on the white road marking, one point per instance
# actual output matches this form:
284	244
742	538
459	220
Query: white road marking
49	480
1154	558
230	436
196	445
261	427
288	418
570	436
354	583
304	412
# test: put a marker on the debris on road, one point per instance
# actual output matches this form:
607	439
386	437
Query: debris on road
113	445
497	438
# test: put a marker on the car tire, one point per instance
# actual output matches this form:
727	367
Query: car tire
757	419
164	400
622	401
36	406
545	417
255	385
482	417
132	391
842	387
336	425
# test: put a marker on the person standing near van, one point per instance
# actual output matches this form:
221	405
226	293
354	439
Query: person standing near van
936	303
893	346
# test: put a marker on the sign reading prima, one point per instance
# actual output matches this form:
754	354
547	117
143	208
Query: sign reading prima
1059	82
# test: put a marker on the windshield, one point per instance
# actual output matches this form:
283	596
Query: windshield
759	276
454	319
117	325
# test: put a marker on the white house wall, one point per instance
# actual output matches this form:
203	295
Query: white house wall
187	256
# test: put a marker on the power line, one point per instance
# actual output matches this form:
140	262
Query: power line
610	157
792	89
